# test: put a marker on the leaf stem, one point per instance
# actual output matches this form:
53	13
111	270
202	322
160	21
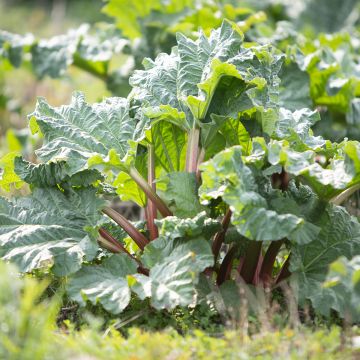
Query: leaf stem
225	266
343	196
104	234
192	150
284	271
268	262
151	194
199	161
220	235
251	261
150	206
90	68
108	240
140	240
109	245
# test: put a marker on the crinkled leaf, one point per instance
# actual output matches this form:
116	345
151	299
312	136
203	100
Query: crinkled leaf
339	236
327	180
199	225
343	279
52	174
105	283
181	194
83	134
214	74
296	128
50	228
178	234
173	277
252	201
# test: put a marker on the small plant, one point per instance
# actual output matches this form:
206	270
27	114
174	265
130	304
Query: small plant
234	184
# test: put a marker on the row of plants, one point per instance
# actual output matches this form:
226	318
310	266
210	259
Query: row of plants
232	142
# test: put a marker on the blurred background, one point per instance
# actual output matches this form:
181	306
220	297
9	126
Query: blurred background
19	87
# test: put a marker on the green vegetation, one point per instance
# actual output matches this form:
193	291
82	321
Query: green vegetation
28	331
237	135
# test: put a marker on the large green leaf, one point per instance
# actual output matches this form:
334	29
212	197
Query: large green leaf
257	209
343	279
176	258
171	283
327	176
181	194
105	284
52	174
204	75
294	87
52	57
129	13
156	85
339	236
50	228
79	132
296	128
12	46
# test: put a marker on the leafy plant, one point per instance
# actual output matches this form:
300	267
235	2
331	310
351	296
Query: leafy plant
344	279
244	188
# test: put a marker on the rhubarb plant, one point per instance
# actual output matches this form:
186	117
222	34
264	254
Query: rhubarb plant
233	182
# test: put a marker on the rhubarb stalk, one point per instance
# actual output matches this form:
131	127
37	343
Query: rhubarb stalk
151	206
140	240
150	193
192	150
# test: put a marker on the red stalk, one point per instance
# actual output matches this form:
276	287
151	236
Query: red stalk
108	245
251	261
256	279
192	150
140	240
220	235
111	239
150	193
107	239
225	267
150	210
200	160
269	261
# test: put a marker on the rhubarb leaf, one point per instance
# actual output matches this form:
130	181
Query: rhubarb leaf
52	174
339	236
50	228
79	132
105	284
176	259
171	283
181	194
343	279
255	206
